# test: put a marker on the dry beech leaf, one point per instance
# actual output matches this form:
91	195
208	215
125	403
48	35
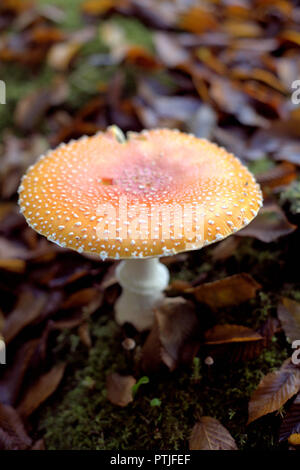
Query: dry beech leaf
39	445
173	338
169	50
291	421
274	390
289	315
29	306
12	432
225	249
209	434
40	390
81	298
11	380
119	388
13	264
227	292
198	20
278	176
269	225
221	334
84	334
294	439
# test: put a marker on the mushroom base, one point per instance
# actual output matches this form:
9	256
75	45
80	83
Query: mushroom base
143	282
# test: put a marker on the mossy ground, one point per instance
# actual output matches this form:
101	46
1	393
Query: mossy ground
80	416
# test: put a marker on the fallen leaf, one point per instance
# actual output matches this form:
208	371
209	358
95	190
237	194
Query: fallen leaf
119	388
289	315
12	264
44	387
225	249
84	334
294	439
173	338
222	334
209	434
198	20
232	290
274	390
12	432
12	378
291	421
81	298
28	308
169	50
278	176
39	445
269	225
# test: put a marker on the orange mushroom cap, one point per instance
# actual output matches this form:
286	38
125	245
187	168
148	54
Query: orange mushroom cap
157	193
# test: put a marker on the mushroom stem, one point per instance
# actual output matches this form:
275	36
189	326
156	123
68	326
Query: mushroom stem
143	282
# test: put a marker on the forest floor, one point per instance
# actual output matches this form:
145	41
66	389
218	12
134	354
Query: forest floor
134	67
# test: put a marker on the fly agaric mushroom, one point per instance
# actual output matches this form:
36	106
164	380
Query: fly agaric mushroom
158	193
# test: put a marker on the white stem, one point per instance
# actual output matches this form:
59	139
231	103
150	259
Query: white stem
143	282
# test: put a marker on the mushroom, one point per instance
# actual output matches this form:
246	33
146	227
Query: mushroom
156	193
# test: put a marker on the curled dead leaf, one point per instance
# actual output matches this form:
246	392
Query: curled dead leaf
269	225
291	422
119	388
289	315
28	308
232	290
274	390
43	388
221	334
12	432
173	338
209	434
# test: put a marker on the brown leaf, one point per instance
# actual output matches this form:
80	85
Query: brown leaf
81	298
29	306
11	380
177	324
173	339
13	264
12	432
119	388
269	225
39	445
291	422
198	20
61	55
227	292
169	50
289	315
209	434
225	249
274	390
222	334
40	390
84	334
278	176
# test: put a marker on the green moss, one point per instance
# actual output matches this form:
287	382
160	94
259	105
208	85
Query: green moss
292	196
134	31
163	411
19	83
261	165
72	18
